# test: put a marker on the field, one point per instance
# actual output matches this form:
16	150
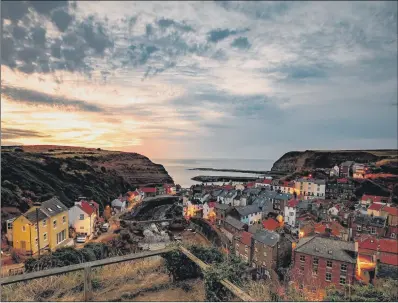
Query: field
145	280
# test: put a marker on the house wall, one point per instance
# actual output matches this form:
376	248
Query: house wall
307	275
264	256
290	216
380	231
243	251
81	226
62	224
30	234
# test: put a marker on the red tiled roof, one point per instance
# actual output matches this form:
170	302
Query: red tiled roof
375	206
266	181
384	245
251	184
86	208
246	238
373	198
293	203
342	180
271	224
335	227
389	259
391	210
148	189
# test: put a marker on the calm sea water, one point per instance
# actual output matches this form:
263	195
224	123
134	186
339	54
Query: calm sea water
178	168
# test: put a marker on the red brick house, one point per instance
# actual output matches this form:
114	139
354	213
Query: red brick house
320	262
243	246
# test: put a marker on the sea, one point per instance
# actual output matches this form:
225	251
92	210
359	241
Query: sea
178	169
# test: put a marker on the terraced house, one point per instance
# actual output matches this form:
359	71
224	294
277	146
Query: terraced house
43	226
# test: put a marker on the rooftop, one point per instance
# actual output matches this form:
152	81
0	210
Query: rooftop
327	248
267	237
247	210
31	216
221	206
271	224
234	222
53	207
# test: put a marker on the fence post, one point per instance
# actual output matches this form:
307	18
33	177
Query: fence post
88	294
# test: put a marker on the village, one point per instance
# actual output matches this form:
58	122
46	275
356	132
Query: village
313	232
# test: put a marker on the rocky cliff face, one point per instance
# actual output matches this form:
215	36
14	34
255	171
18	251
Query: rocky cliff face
297	161
38	172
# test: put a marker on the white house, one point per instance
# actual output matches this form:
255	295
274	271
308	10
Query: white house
335	171
118	205
82	217
263	183
250	214
310	188
334	210
291	212
240	187
208	207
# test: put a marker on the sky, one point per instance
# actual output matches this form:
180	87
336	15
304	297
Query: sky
241	80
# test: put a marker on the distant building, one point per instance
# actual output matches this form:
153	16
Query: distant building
310	188
345	169
364	224
335	171
249	215
291	212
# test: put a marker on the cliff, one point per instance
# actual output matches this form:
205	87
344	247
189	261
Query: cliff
38	172
296	161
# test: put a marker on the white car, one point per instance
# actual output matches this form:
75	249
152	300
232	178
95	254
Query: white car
81	239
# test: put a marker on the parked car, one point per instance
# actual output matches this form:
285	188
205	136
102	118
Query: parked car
81	239
105	227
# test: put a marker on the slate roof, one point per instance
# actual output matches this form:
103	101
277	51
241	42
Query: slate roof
31	216
53	207
267	237
247	210
231	194
370	220
269	194
223	194
283	197
234	222
327	248
221	206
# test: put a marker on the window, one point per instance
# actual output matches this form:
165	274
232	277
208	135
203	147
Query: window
49	209
315	261
342	280
373	230
81	227
61	236
359	228
329	264
55	223
265	254
291	214
82	217
45	236
36	242
393	236
59	207
9	225
44	222
245	248
302	258
343	267
256	249
24	228
302	267
63	219
315	270
328	277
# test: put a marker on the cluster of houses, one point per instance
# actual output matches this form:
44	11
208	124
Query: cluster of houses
271	224
46	226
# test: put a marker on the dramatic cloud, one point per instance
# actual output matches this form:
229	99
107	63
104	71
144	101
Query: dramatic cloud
222	79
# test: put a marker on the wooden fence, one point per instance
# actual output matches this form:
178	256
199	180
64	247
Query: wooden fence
86	267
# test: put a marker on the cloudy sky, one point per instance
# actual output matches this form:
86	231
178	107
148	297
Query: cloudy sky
200	79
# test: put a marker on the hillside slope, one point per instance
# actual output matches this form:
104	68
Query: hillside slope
39	172
302	160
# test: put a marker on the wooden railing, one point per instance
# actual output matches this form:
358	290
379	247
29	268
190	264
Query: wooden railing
88	294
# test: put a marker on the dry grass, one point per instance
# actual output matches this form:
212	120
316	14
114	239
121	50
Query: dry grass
259	290
146	277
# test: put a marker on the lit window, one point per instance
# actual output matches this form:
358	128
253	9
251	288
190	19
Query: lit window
316	261
302	258
329	264
55	223
343	267
328	277
342	280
